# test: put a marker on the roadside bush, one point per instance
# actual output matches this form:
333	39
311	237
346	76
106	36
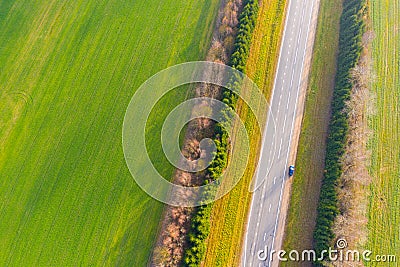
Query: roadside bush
352	28
200	225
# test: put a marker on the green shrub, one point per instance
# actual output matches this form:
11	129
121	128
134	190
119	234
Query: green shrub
352	28
200	226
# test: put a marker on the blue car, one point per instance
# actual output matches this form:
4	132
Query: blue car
291	170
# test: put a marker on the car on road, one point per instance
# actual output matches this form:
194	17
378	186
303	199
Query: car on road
291	170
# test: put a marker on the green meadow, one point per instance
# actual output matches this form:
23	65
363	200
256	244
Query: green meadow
383	212
68	70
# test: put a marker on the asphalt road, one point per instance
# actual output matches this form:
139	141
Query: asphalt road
275	151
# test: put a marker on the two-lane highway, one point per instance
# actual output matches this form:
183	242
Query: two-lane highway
266	200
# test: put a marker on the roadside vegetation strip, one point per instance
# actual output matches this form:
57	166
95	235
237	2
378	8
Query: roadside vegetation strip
383	214
229	214
68	71
312	143
200	223
352	27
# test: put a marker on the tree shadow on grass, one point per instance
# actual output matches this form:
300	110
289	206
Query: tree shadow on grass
201	39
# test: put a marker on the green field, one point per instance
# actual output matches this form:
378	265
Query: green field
384	210
67	72
312	143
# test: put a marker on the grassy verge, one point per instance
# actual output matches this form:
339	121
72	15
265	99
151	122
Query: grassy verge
352	28
384	218
230	213
200	223
67	72
312	144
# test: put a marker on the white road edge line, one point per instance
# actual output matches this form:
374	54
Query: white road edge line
266	126
291	132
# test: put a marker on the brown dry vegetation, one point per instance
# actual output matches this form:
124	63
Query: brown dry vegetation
353	188
229	216
175	224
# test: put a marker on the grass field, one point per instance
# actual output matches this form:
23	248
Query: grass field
312	144
230	213
67	72
384	210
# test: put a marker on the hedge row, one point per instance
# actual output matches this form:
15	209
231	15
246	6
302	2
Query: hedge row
200	225
352	27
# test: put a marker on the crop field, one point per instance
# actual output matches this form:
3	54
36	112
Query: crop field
230	213
312	144
384	216
67	72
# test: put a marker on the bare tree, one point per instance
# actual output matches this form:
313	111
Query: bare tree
351	224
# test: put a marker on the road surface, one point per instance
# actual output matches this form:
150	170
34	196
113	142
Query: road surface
263	221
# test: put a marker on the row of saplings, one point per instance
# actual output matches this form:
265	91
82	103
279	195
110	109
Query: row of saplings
200	225
352	28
